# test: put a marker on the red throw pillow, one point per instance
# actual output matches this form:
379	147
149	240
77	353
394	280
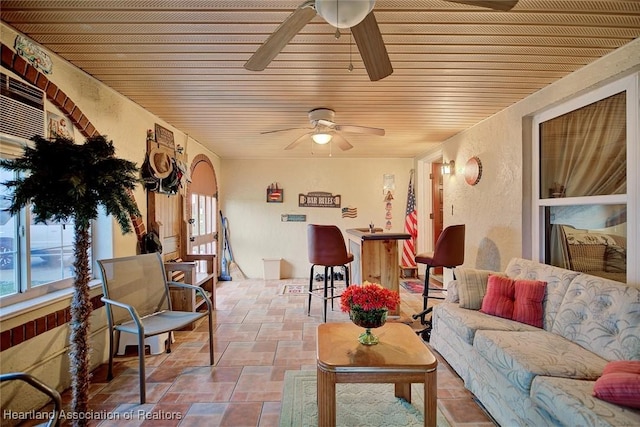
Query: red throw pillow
498	301
619	383
621	388
629	366
528	302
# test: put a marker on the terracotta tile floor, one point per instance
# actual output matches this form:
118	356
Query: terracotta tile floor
259	334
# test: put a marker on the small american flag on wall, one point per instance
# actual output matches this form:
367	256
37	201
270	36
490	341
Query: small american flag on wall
349	212
410	227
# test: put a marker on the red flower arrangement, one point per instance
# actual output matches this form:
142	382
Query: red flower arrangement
368	297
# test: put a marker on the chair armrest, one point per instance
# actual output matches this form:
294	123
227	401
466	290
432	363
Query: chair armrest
132	311
42	387
198	289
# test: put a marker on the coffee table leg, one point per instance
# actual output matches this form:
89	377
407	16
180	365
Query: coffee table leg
430	399
403	391
326	384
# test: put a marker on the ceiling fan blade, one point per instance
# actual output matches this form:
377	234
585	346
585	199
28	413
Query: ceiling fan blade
504	5
281	37
297	142
281	130
360	129
372	49
342	143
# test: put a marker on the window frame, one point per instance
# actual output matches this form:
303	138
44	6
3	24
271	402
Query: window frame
629	85
12	147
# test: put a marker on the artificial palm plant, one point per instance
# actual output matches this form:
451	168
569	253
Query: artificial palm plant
63	181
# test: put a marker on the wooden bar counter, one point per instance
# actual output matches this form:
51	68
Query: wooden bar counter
375	258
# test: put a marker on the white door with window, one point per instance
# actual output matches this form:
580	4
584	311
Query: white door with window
203	233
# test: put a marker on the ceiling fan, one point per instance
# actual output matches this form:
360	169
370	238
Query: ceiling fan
325	130
354	14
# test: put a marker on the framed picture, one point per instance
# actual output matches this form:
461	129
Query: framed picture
275	194
58	126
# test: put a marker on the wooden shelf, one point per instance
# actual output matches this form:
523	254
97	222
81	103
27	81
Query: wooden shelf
199	270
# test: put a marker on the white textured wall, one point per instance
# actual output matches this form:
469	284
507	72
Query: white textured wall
255	226
493	209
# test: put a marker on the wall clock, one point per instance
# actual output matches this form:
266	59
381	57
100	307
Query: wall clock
473	171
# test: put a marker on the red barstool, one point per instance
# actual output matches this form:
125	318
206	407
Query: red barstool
449	253
327	249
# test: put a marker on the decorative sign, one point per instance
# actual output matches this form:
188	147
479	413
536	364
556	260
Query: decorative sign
349	212
274	194
293	218
165	137
34	54
318	199
473	171
59	126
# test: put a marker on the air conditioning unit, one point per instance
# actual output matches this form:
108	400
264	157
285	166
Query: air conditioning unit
21	108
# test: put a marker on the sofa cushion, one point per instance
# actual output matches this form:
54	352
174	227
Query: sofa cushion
572	403
557	280
527	307
602	316
499	298
472	285
521	356
466	322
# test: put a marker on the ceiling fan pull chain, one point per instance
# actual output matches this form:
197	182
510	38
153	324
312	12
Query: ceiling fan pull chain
350	68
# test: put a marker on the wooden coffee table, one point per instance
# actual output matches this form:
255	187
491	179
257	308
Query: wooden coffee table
400	358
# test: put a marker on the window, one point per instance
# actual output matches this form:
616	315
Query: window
582	181
203	224
35	258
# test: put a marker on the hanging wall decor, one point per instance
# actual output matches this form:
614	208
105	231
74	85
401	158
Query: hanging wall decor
473	170
160	172
349	212
275	194
319	199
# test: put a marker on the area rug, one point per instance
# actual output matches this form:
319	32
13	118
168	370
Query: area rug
413	286
356	404
291	289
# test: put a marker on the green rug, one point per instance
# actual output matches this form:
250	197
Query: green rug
356	404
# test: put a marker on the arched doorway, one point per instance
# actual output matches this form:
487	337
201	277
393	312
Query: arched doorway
202	208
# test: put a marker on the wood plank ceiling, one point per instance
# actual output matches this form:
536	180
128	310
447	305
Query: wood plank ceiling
454	64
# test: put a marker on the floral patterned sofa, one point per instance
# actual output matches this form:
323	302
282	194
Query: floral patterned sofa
530	376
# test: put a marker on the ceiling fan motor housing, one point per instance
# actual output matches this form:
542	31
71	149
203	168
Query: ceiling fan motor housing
321	114
344	13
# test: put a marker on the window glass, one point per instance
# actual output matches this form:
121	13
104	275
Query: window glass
202	216
588	238
8	241
583	152
35	258
51	249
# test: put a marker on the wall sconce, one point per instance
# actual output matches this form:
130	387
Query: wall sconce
448	168
321	138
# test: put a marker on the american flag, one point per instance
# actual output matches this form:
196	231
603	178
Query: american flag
410	227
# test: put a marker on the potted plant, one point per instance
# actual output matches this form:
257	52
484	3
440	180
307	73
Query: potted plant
368	305
65	181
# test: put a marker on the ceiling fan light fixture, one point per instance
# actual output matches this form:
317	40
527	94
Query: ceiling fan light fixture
321	137
344	13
